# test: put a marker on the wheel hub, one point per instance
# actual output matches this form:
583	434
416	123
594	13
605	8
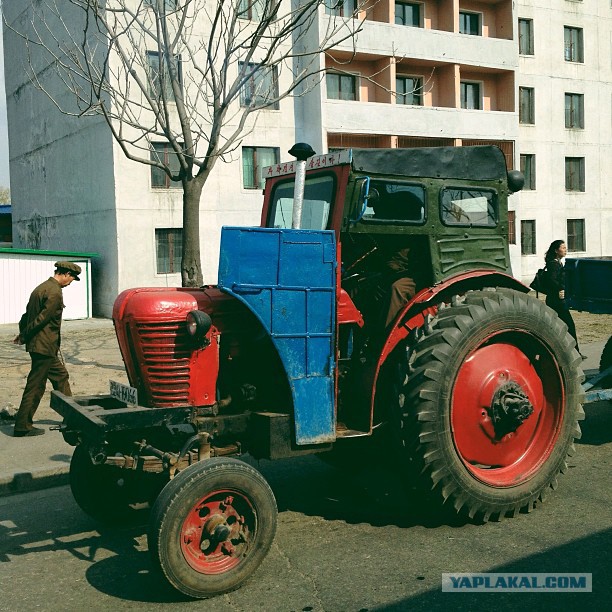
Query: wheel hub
216	533
503	422
510	406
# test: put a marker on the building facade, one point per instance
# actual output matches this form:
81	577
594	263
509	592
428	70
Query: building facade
565	128
532	77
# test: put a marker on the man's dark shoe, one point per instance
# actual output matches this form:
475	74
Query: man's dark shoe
35	431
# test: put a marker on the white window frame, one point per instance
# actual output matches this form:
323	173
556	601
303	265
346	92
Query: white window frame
480	93
256	167
178	230
480	22
357	78
421	15
399	96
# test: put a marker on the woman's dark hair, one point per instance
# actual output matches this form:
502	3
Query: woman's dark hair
552	250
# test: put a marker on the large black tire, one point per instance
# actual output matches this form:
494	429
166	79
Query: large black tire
109	494
212	526
491	405
606	356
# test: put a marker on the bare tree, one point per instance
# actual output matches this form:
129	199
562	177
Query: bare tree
189	73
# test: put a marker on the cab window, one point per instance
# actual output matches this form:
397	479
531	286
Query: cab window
319	194
468	207
390	202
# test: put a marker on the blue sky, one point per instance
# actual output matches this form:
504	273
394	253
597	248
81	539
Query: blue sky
4	157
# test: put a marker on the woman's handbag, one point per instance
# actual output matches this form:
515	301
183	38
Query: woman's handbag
540	282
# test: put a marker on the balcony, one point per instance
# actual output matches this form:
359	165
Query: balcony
390	40
417	121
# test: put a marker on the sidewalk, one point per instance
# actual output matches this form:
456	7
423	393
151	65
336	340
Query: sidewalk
89	347
92	356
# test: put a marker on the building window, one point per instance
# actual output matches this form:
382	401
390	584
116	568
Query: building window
511	227
526	105
251	9
341	8
528	237
469	23
574	111
409	90
261	86
169	250
574	49
253	160
528	168
408	14
163	153
576	240
341	86
574	174
470	95
160	83
526	36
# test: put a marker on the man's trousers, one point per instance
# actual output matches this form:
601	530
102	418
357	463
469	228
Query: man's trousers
44	368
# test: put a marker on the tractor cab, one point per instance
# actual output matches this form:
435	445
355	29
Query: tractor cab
448	205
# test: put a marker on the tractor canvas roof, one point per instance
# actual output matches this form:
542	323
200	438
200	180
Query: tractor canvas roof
478	163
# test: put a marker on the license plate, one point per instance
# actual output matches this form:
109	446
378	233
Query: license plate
124	393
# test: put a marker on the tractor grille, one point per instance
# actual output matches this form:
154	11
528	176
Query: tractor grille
166	357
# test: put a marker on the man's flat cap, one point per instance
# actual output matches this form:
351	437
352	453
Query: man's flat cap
69	266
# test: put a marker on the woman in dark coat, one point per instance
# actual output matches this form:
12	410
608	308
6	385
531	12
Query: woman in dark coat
555	298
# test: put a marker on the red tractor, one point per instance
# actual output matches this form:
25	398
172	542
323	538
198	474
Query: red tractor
472	385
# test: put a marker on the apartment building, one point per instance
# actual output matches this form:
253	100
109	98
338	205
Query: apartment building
565	128
429	73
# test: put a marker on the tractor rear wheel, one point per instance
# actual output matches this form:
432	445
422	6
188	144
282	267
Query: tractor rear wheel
110	494
212	526
491	405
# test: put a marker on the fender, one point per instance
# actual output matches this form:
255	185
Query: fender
287	279
424	304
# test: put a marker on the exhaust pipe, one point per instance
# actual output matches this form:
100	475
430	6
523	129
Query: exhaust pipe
301	151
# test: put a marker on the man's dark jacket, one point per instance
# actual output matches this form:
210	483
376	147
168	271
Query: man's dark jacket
40	326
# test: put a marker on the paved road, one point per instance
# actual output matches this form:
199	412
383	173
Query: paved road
344	543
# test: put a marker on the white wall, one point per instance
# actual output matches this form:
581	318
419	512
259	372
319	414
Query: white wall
20	273
551	77
62	186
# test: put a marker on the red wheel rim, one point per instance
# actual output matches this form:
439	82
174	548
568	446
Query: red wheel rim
510	459
217	532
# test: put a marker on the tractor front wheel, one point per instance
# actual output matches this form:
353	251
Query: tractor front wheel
606	356
212	526
491	405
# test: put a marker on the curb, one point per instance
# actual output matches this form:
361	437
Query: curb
35	480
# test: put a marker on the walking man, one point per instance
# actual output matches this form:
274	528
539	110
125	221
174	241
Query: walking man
39	330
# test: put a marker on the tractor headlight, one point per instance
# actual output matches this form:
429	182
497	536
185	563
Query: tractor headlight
198	323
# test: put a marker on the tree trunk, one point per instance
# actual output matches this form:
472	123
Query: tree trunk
191	264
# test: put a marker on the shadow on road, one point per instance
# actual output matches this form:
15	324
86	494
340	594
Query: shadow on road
120	566
592	554
119	561
597	425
